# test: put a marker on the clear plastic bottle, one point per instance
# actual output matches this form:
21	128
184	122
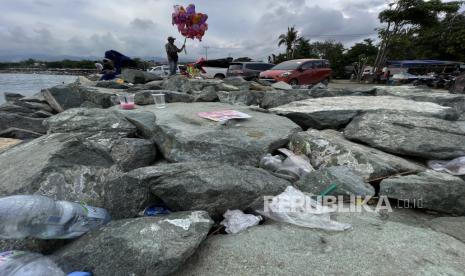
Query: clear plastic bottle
40	217
21	263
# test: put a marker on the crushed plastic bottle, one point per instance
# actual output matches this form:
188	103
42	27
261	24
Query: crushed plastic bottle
455	166
40	217
21	263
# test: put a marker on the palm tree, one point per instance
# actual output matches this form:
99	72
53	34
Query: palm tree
289	39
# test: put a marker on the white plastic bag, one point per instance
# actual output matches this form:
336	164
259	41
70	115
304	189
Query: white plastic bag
455	166
292	167
236	221
293	206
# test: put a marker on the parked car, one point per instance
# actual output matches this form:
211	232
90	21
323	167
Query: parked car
162	70
247	70
299	71
216	68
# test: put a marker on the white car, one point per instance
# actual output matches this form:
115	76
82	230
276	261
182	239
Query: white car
162	71
213	72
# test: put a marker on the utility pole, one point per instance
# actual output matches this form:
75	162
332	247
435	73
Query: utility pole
206	51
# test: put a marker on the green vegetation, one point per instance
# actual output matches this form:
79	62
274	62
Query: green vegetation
412	29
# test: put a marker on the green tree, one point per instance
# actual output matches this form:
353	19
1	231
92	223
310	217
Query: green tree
407	17
289	39
365	48
332	51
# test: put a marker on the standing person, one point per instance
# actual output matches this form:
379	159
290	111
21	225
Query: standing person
172	53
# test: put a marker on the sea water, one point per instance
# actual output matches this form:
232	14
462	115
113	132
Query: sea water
29	84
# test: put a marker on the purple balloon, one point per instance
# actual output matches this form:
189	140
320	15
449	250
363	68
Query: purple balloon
191	9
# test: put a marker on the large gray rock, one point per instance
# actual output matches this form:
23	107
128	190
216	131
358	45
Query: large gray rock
279	97
68	167
181	135
112	84
17	133
186	85
98	96
62	97
90	120
144	121
284	249
281	86
328	148
404	134
12	97
431	190
138	76
145	97
453	226
34	105
245	97
348	182
142	246
12	120
32	245
336	112
208	186
17	109
131	153
424	95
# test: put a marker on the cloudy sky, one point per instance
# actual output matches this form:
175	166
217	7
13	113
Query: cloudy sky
140	27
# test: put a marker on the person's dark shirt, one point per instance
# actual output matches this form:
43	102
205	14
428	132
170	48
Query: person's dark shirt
172	51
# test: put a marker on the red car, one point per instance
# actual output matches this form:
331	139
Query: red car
299	71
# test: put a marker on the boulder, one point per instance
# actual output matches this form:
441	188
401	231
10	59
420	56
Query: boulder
279	97
138	76
97	95
34	105
36	98
145	97
424	95
81	80
431	190
90	120
459	85
12	97
260	87
181	135
131	153
244	97
404	134
62	97
141	246
328	148
348	182
336	112
452	226
112	84
153	85
208	186
69	167
281	86
42	114
207	94
31	245
186	85
236	81
285	249
17	133
17	109
12	120
144	121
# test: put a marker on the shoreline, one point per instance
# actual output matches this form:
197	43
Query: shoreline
61	72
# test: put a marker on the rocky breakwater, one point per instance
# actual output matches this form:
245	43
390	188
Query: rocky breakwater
90	151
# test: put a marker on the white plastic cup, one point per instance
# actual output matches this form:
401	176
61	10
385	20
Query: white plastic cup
159	100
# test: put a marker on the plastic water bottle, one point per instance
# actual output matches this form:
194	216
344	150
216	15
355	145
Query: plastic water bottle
40	217
21	263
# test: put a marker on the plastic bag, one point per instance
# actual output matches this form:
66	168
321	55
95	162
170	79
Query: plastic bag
236	221
455	166
293	206
292	167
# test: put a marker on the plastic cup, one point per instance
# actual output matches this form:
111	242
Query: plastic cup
126	101
159	100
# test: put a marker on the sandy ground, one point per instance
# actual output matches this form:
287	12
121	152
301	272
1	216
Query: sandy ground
6	143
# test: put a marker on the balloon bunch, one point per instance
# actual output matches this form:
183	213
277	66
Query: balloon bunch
190	24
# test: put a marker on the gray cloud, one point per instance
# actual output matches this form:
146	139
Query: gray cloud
140	27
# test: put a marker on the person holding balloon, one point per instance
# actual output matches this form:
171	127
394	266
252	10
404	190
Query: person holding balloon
172	53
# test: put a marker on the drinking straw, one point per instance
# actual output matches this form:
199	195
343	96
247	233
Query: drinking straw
328	190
